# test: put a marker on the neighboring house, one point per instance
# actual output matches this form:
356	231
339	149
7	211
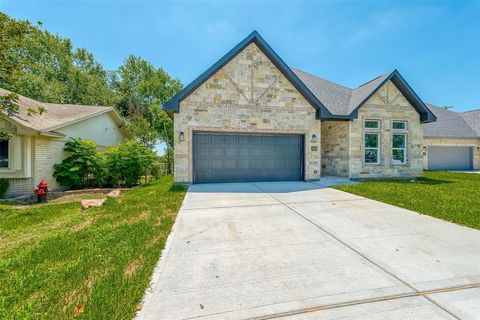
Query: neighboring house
250	117
38	140
453	141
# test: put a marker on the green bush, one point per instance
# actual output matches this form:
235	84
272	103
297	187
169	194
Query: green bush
128	162
4	184
84	168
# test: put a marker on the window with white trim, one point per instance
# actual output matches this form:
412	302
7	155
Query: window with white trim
399	125
3	153
372	148
399	148
372	124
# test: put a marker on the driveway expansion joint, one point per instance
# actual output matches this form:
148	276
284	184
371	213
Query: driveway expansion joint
344	243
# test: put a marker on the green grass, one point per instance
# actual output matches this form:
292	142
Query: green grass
60	262
449	196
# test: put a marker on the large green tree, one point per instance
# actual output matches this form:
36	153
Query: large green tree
141	90
46	67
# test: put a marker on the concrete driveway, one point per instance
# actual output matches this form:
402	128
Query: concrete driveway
304	251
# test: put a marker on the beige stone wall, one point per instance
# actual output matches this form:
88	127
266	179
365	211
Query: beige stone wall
475	143
335	144
248	95
386	105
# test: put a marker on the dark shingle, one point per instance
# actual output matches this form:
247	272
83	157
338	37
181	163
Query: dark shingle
339	100
335	97
449	124
473	119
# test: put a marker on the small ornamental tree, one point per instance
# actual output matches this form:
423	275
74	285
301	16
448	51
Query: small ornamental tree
84	168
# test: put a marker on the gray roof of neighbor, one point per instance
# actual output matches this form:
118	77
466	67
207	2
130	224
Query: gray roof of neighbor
338	99
473	119
452	124
56	115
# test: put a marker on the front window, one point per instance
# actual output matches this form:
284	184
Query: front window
3	153
399	125
371	147
372	124
399	143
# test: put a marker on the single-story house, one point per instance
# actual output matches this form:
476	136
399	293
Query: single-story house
38	140
250	117
453	141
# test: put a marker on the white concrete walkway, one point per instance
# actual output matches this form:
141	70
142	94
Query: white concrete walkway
304	251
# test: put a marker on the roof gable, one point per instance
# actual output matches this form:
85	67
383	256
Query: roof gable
174	103
364	92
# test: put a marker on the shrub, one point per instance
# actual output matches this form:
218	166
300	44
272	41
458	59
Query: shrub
84	168
4	184
128	162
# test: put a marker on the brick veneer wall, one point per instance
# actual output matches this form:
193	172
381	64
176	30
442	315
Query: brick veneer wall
248	95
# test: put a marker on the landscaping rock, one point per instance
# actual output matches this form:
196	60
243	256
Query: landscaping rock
114	193
92	203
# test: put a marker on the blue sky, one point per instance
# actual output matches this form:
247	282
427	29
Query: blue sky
434	44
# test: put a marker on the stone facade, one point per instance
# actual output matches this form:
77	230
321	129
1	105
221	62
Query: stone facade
248	95
335	148
452	142
387	105
343	142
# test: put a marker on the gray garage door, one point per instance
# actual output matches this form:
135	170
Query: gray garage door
242	157
449	158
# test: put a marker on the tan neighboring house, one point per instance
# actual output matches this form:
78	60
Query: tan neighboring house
250	117
38	140
453	141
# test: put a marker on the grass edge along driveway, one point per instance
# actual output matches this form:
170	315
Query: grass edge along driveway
60	262
450	196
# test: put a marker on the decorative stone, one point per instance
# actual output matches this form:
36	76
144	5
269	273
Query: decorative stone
92	203
114	193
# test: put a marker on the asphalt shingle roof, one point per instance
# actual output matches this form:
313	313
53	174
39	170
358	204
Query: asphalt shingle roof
452	124
56	115
473	119
338	99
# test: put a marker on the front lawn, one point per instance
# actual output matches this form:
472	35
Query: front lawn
450	196
60	262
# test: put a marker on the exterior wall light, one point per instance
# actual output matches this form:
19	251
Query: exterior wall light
314	138
181	136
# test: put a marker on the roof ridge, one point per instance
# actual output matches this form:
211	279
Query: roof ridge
311	74
474	110
54	104
363	84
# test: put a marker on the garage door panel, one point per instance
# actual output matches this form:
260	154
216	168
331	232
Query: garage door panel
243	157
231	152
450	158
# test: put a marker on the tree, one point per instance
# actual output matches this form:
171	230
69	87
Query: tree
140	85
142	89
446	107
45	67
